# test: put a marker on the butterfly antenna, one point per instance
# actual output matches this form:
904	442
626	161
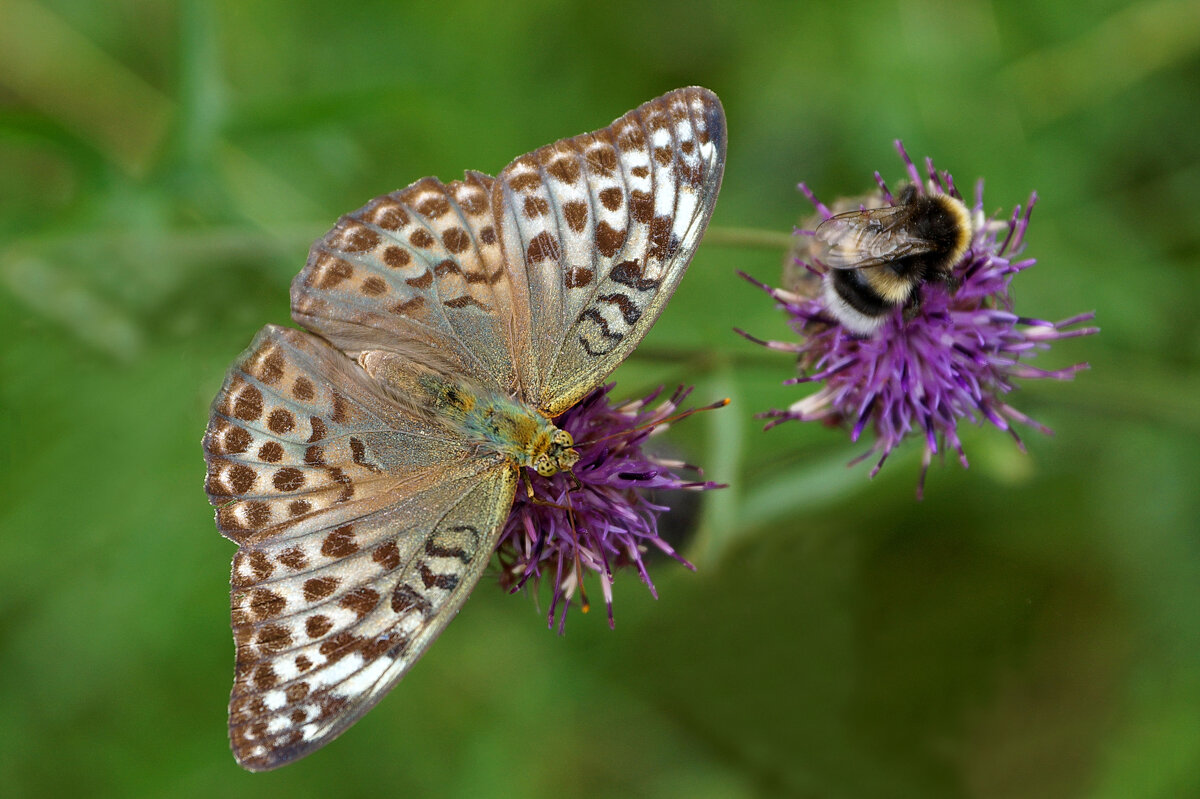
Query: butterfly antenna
657	422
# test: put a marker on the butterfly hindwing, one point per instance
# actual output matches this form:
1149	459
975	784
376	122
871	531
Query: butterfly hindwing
361	532
599	228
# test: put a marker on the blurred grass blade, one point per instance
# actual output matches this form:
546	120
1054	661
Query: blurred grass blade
723	462
46	62
58	295
1106	59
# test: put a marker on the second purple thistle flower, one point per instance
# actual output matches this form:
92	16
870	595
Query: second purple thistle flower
903	311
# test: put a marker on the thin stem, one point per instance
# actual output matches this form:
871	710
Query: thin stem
746	237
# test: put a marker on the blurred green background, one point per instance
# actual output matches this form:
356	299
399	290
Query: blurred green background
1031	629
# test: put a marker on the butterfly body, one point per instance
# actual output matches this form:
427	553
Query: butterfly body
511	429
480	415
366	466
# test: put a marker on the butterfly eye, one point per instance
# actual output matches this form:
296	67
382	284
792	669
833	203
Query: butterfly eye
544	466
563	439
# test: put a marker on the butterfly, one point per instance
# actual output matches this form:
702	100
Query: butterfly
365	468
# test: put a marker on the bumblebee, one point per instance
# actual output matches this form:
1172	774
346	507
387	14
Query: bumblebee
878	258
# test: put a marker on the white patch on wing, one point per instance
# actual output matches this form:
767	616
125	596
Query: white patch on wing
274	699
686	214
363	680
410	623
337	672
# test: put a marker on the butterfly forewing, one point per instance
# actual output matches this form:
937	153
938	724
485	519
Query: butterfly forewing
361	532
600	228
418	272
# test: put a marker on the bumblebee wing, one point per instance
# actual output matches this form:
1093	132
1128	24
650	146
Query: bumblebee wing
870	237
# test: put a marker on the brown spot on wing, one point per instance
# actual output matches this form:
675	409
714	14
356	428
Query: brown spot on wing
339	408
396	257
358	238
434	206
302	389
663	241
339	543
318	588
542	247
281	421
241	478
408	307
236	440
631	138
338	646
525	181
266	604
421	238
612	198
387	555
331	271
257	514
421	281
265	677
464	301
608	241
270	452
565	169
288	479
388	215
578	278
317	625
446	582
361	600
271	368
629	273
602	160
373	286
293	557
405	598
576	214
456	240
535	206
473	201
315	455
641	206
249	404
274	638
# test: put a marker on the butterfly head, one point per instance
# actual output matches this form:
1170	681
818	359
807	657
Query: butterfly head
554	452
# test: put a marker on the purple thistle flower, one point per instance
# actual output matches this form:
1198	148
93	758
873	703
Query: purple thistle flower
596	517
955	359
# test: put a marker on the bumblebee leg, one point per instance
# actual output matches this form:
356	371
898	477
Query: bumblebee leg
912	306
